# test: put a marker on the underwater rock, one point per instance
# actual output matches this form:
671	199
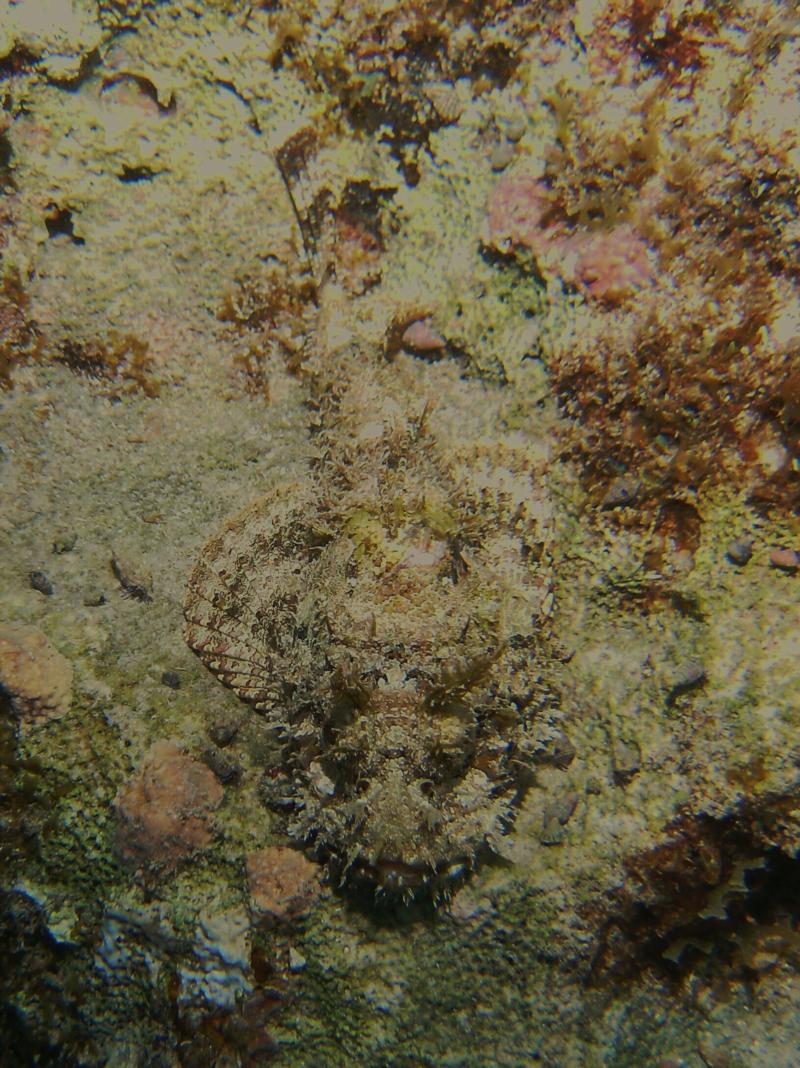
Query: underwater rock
60	35
65	542
740	551
556	816
717	885
171	679
40	581
515	127
165	810
785	560
297	962
688	677
502	155
217	973
283	883
224	766
34	675
420	336
626	760
223	732
621	492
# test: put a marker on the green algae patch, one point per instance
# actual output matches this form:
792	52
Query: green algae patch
493	980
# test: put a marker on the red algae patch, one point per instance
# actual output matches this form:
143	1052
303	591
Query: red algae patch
518	206
283	883
36	678
663	195
608	264
165	811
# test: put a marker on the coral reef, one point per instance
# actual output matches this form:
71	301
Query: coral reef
403	70
666	204
708	881
452	286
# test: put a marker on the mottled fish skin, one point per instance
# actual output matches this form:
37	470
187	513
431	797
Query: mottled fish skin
388	612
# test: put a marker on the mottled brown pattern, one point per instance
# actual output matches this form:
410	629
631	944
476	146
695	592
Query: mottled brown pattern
387	615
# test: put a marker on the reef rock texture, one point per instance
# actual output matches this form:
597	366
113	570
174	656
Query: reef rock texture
165	811
34	677
283	884
664	197
430	367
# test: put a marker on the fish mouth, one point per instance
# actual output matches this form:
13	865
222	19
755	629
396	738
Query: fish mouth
392	876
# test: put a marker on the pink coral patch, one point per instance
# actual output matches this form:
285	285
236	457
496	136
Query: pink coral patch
164	812
607	265
612	264
518	206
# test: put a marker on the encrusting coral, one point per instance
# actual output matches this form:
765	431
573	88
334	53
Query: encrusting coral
165	811
34	676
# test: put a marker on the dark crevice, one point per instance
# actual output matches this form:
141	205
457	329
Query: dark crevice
137	174
60	223
717	895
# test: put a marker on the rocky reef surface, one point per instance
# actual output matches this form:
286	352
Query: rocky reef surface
507	296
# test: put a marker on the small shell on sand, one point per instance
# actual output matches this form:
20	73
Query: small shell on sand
420	336
785	560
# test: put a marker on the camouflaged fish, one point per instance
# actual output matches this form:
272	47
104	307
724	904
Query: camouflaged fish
387	611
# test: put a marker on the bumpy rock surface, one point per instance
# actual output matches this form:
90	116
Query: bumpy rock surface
282	882
35	676
165	810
